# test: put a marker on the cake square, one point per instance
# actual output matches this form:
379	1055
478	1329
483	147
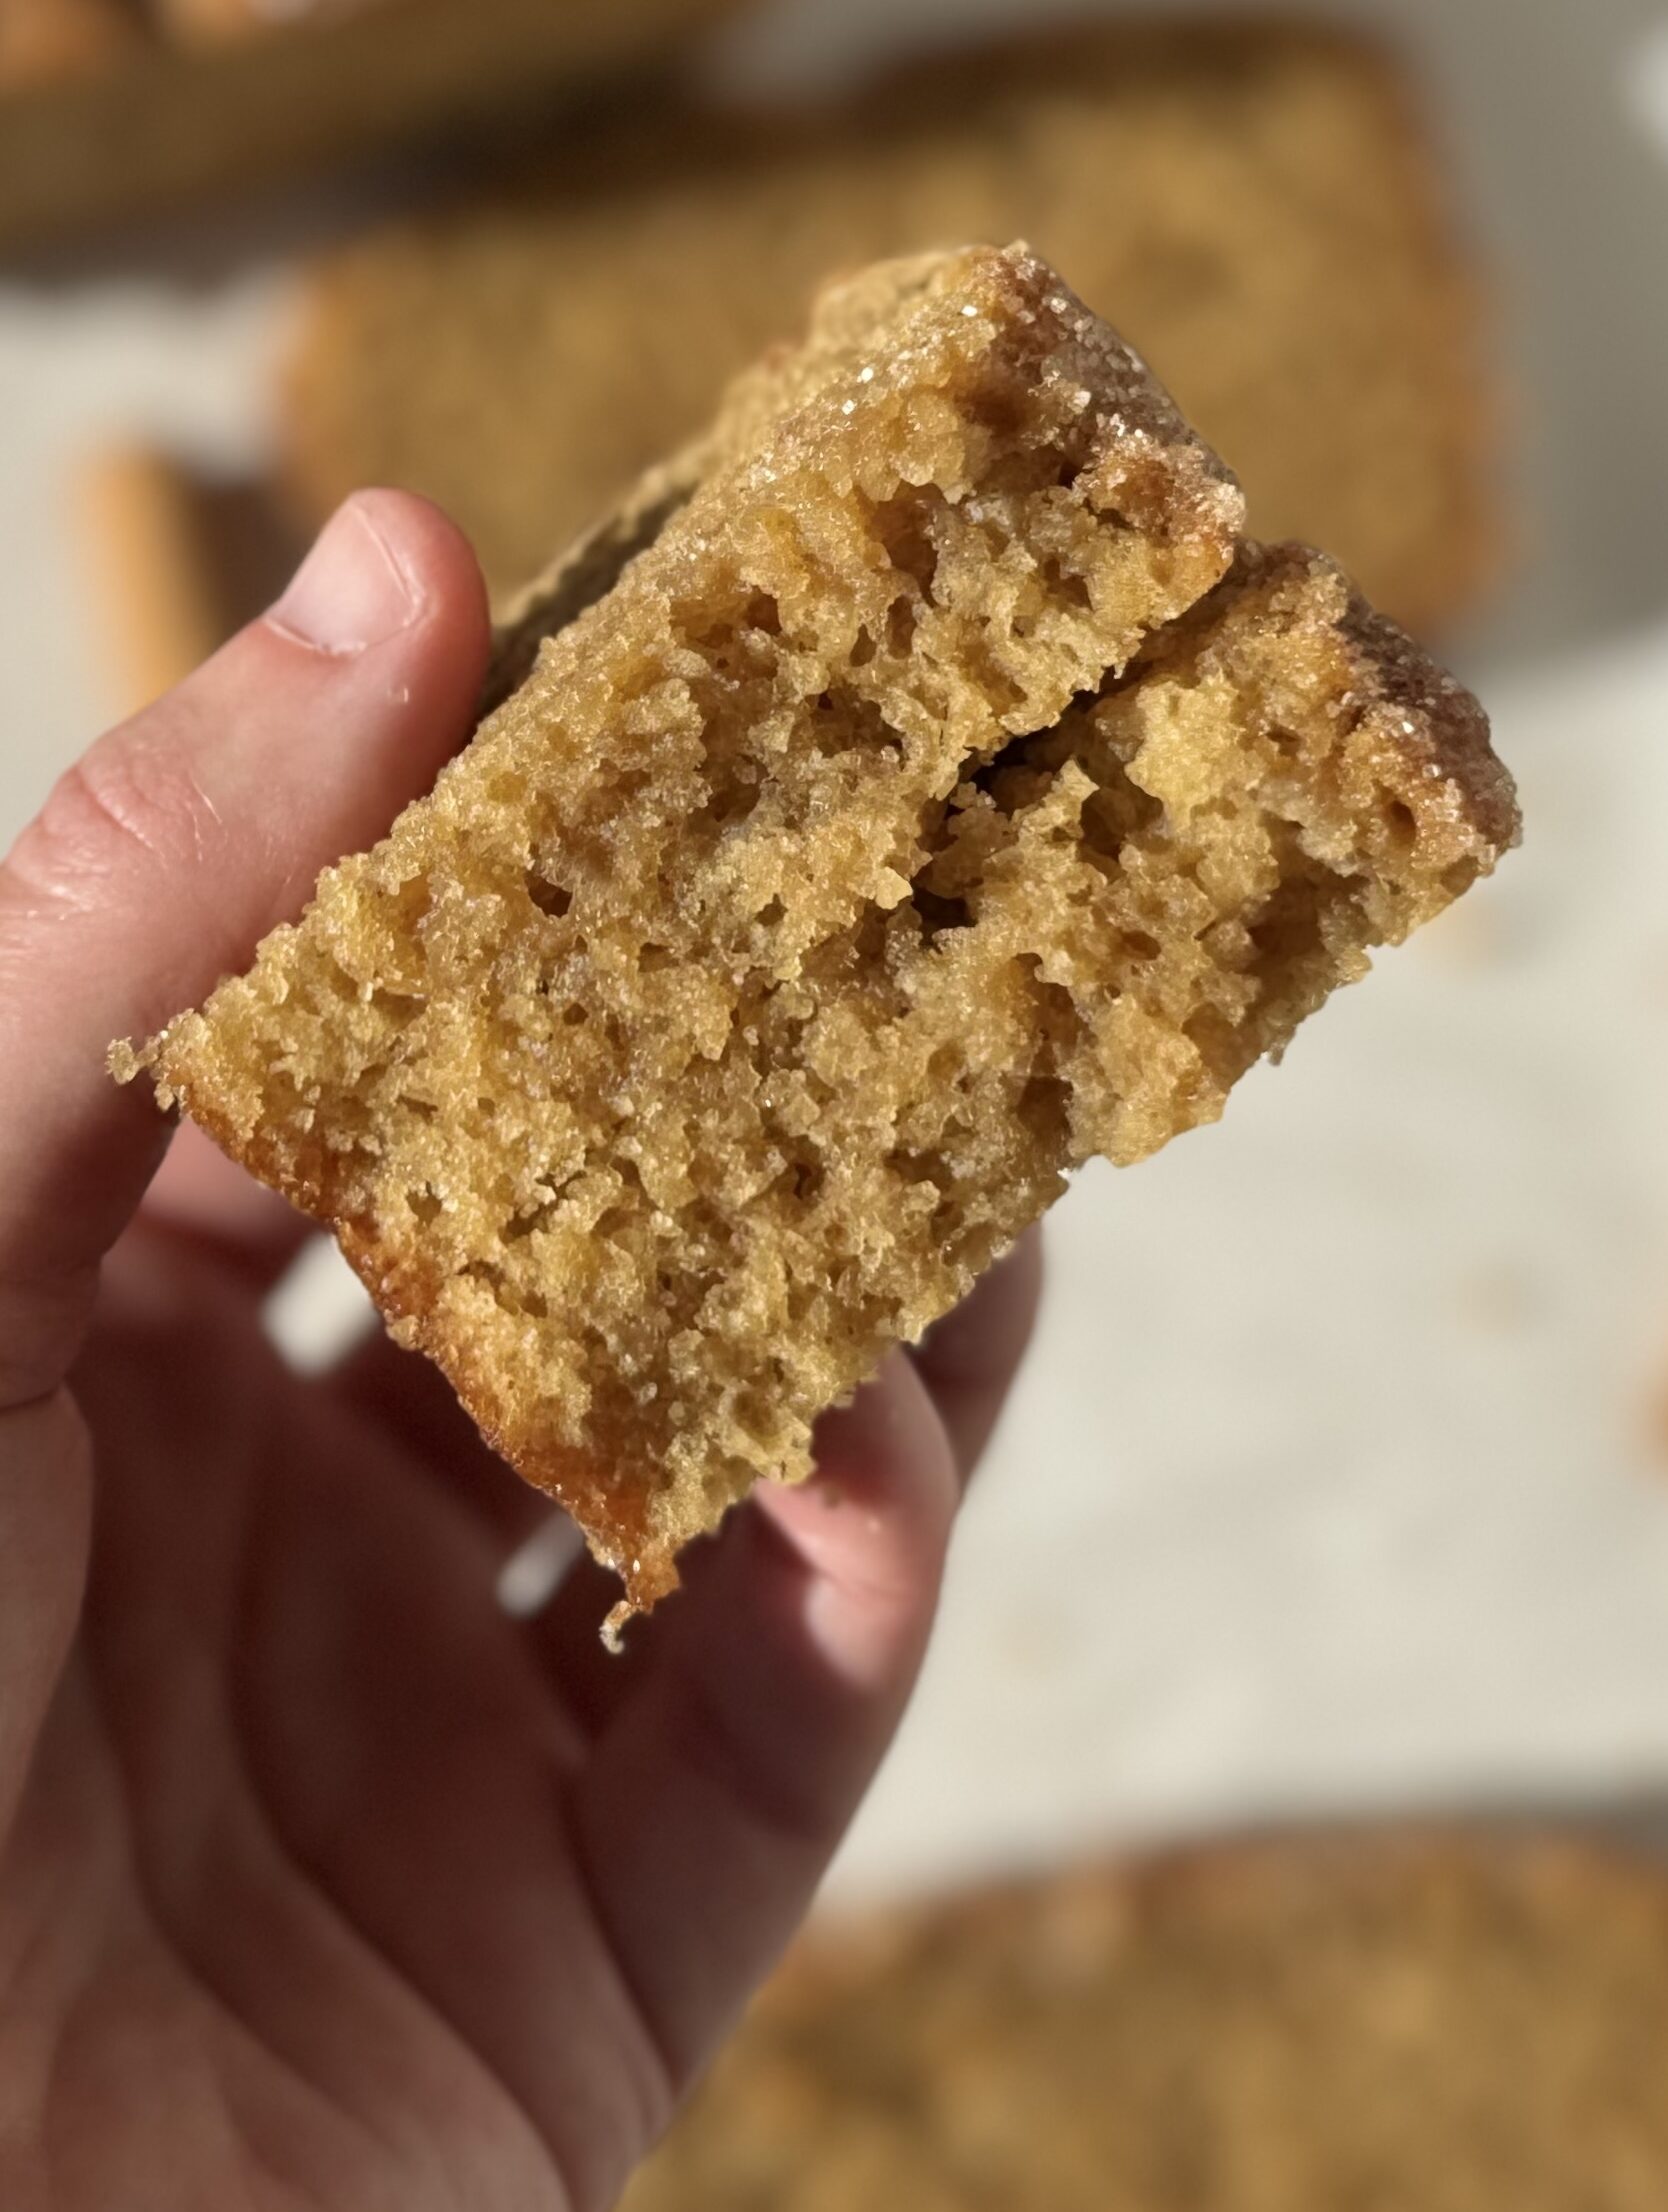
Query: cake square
919	788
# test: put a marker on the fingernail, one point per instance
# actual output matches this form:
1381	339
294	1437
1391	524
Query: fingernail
350	592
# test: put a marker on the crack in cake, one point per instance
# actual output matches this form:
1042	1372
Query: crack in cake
920	788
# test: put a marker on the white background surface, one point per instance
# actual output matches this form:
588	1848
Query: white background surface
1340	1476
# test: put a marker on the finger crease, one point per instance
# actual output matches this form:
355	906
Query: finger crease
670	2075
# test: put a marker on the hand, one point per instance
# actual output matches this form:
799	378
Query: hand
323	1883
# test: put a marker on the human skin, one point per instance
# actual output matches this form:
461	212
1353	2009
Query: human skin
323	1882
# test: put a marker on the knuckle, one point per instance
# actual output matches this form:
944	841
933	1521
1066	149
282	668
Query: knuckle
42	1323
132	802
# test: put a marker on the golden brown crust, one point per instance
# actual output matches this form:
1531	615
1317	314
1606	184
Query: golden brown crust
1443	2019
1440	717
1439	723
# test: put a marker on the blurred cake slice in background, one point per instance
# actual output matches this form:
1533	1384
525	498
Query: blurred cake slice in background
177	559
45	40
205	98
1255	204
1449	2023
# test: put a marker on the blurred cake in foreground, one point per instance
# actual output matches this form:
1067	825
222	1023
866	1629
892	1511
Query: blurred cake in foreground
1471	2024
1252	204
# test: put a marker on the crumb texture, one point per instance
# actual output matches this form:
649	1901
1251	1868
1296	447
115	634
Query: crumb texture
940	797
1450	2024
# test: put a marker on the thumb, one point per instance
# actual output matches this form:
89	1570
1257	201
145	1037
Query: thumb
173	845
156	863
